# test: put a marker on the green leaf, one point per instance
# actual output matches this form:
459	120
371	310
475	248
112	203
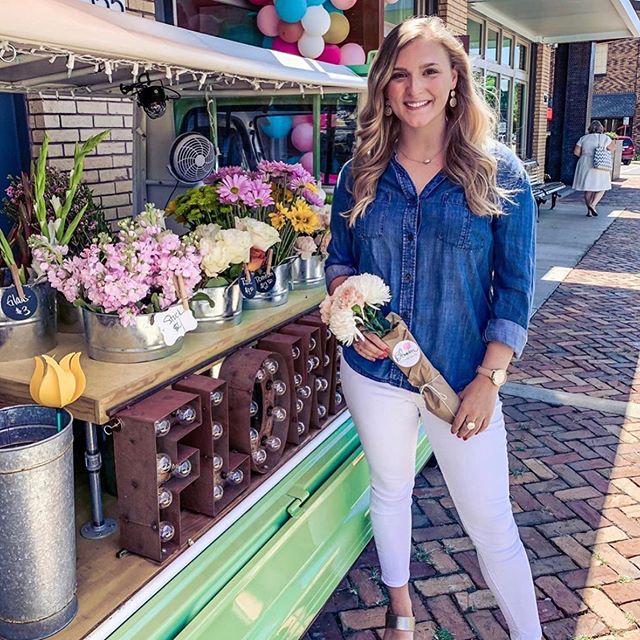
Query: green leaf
219	281
202	296
155	301
5	250
80	303
66	238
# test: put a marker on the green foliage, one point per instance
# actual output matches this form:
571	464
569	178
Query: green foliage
200	205
443	634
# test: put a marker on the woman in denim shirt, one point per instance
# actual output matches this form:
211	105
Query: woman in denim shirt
445	215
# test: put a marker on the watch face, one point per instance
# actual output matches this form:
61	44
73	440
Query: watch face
499	376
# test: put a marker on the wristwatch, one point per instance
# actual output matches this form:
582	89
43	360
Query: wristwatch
497	376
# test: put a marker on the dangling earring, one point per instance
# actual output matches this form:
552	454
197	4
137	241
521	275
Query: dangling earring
453	101
387	109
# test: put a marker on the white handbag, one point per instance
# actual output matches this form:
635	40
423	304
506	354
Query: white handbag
602	156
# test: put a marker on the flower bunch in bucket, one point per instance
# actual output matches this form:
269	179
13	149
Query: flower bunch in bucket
144	268
354	309
46	207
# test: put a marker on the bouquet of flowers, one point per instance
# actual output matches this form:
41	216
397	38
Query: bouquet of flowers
284	196
318	241
227	252
144	269
48	204
354	307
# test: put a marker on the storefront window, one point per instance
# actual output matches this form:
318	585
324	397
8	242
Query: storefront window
503	122
507	46
519	102
520	57
474	29
492	45
397	12
491	90
219	19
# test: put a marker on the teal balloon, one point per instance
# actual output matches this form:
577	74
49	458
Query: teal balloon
292	159
313	3
331	9
240	33
276	126
290	10
267	43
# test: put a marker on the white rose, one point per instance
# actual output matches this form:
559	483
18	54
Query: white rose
214	257
237	244
263	235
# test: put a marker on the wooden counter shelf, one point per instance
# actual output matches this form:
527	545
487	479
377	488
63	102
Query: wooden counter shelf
111	386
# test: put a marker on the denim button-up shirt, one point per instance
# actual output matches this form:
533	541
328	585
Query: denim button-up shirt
457	279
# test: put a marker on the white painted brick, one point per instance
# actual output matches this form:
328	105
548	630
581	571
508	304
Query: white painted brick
99	162
55	151
103	188
76	121
113	174
63	164
122	161
94	106
121	134
107	122
123	108
59	106
115	200
123	186
112	148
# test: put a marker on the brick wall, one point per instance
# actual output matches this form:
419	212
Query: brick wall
542	89
109	170
623	75
454	13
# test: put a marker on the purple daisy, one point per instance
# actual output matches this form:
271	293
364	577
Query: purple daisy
233	188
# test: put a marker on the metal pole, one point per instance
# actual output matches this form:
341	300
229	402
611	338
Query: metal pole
316	135
99	527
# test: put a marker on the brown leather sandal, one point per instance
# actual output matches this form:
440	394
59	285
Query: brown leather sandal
400	623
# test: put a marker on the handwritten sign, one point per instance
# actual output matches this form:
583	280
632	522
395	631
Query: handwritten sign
17	308
248	287
175	323
264	282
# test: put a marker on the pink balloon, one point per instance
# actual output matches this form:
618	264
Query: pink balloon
331	54
301	119
323	120
352	53
302	137
307	161
268	21
343	4
286	47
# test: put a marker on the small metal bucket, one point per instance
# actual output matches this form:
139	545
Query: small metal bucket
141	341
226	310
306	274
37	523
278	295
21	339
69	316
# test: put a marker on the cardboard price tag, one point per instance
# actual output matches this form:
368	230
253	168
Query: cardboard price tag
175	323
17	308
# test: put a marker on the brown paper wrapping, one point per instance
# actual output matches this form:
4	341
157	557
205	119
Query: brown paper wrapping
439	397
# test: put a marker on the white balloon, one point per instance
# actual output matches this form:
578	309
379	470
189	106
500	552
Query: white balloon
310	46
316	21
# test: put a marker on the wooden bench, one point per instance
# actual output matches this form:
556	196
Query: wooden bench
542	189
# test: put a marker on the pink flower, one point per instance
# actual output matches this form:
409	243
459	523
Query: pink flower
325	309
233	188
347	296
259	195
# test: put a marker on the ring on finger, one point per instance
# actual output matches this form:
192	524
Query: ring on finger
471	425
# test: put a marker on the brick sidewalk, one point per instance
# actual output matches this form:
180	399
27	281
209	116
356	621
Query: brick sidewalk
575	475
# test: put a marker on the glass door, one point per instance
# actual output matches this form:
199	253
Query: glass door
503	121
518	111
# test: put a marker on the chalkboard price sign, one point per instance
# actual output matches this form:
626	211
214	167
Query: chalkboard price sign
17	308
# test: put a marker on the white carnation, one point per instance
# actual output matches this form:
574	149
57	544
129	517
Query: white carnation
373	288
263	235
343	326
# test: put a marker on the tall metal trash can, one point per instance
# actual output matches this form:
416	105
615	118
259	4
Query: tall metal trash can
37	523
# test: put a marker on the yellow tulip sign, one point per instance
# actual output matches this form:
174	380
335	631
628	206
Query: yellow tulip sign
56	384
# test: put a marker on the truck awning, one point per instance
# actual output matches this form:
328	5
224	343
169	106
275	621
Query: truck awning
554	21
76	48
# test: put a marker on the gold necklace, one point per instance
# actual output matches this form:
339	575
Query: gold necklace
425	161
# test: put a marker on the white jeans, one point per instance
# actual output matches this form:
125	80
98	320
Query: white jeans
477	476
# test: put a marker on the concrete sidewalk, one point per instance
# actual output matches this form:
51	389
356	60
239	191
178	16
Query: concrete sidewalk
574	445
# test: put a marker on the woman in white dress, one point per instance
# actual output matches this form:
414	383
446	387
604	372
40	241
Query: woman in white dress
594	182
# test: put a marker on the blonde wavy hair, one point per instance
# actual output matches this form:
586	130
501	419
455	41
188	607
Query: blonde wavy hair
468	160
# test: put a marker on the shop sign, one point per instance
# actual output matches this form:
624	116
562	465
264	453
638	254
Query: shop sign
114	5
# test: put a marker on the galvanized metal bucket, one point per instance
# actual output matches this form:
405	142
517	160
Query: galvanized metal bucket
278	295
37	523
306	274
226	310
69	317
21	339
141	341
